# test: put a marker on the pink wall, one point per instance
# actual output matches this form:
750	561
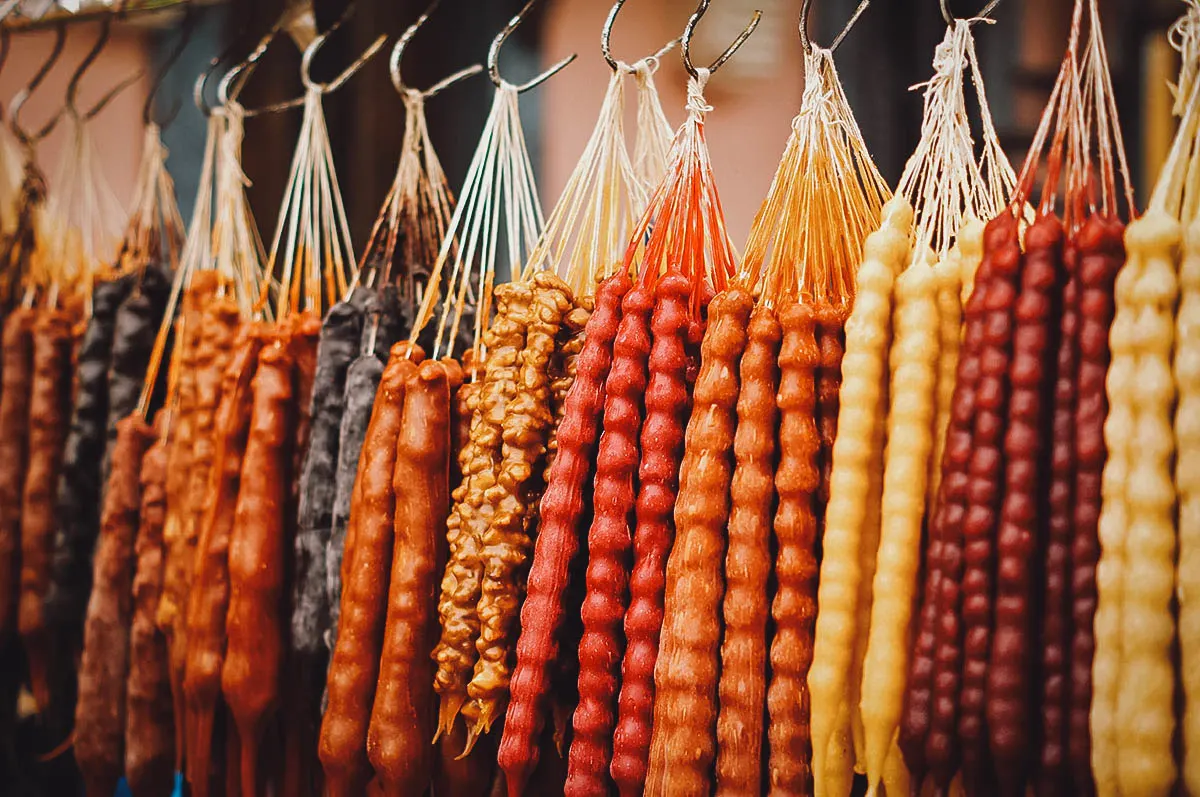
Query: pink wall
117	130
752	113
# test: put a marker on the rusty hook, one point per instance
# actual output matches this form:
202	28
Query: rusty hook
398	54
694	19
493	59
86	64
311	51
190	18
606	34
22	96
805	12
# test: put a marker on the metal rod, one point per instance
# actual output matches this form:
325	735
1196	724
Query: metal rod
132	8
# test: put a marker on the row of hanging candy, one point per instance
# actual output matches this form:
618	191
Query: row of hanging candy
1035	644
198	515
78	338
119	520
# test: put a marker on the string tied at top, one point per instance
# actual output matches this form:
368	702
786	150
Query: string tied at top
696	104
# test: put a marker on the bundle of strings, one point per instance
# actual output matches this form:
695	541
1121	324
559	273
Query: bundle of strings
807	238
83	219
317	258
155	231
683	226
607	192
498	200
414	218
11	174
802	259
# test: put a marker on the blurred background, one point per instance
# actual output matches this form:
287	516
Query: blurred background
753	97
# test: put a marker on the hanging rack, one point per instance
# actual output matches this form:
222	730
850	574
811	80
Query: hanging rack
398	54
190	18
606	34
493	59
14	21
806	12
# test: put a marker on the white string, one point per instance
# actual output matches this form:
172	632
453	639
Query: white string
696	105
942	180
312	231
498	197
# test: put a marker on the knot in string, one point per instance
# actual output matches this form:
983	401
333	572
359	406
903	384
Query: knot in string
696	106
414	100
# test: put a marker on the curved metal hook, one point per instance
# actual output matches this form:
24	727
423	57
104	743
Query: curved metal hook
398	54
493	59
22	96
694	19
987	10
246	67
606	34
203	78
806	10
86	64
311	51
190	18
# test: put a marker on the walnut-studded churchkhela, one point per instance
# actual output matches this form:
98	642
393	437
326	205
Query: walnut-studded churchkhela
15	379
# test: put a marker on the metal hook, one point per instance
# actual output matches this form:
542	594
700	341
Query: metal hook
86	64
606	34
987	10
202	79
493	59
311	51
806	10
246	67
190	18
398	54
700	11
22	96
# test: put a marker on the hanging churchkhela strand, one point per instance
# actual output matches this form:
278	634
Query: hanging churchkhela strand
585	240
1186	371
506	404
314	258
84	224
679	257
150	249
418	209
198	639
801	261
946	189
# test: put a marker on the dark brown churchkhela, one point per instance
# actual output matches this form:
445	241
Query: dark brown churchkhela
100	712
208	601
354	668
15	379
402	717
254	656
80	483
49	407
149	726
